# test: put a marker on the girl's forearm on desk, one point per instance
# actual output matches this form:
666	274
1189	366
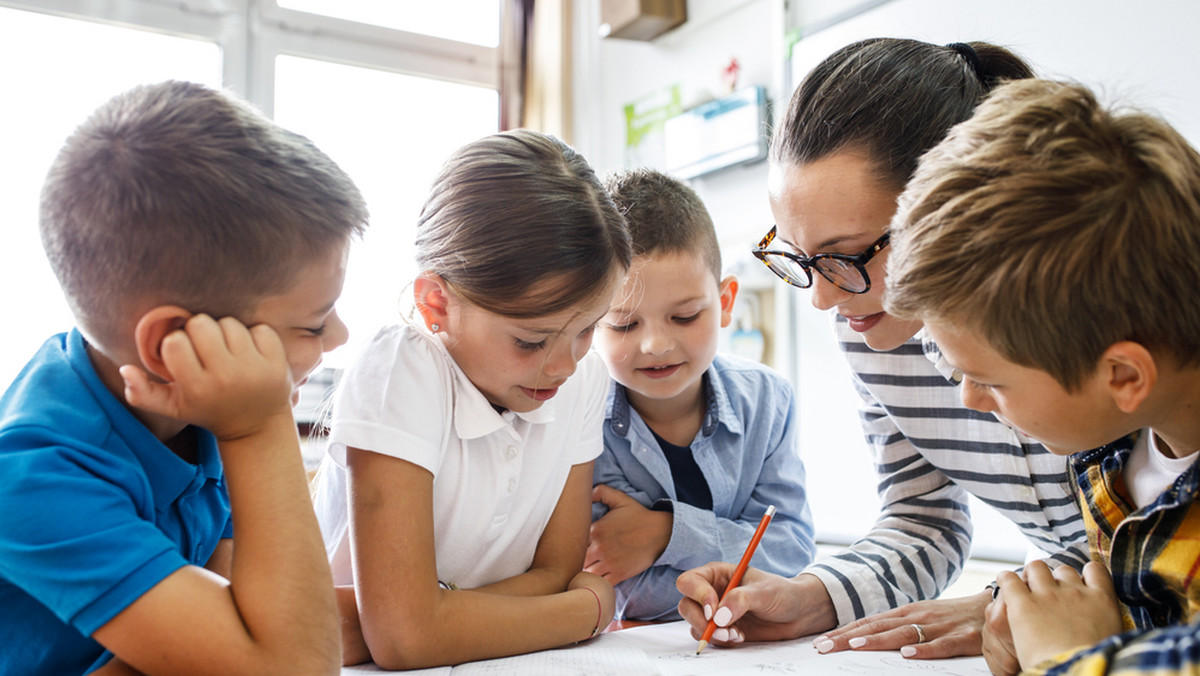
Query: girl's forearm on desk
470	625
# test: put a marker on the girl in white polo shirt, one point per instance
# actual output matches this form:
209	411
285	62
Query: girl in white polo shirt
455	498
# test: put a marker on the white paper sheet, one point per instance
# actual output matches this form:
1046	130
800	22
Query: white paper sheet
669	650
673	649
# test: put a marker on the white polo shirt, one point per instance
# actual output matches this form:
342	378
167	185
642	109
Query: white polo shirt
497	477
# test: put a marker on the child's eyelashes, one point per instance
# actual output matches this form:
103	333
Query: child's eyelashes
528	346
975	384
316	332
621	328
626	328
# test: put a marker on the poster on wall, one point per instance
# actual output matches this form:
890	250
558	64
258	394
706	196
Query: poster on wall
645	119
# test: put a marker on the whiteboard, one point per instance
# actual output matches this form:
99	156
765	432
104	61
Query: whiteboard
1144	54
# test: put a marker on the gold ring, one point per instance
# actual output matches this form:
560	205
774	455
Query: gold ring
920	633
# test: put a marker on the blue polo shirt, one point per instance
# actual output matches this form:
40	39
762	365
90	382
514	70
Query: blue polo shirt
94	511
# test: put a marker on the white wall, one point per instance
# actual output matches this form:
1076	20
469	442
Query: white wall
1142	53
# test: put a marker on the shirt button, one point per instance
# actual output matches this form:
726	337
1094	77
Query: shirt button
512	485
510	452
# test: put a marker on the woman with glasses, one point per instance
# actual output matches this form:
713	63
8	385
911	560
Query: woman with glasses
848	143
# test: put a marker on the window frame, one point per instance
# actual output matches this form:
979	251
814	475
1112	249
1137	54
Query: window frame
252	33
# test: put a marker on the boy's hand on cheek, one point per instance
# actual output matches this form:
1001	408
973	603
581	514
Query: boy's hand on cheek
228	378
1058	611
628	539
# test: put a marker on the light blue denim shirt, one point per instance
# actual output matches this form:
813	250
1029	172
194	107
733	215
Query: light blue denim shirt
746	449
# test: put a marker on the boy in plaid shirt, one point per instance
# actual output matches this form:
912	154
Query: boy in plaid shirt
1052	249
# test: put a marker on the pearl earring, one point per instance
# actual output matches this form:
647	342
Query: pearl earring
434	327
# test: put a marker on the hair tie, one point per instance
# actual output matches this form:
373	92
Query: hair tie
968	52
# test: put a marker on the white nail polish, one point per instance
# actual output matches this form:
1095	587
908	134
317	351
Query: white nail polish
707	612
908	651
721	635
858	642
735	636
723	616
823	645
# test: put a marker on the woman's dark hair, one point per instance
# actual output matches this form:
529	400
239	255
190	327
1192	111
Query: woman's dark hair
891	98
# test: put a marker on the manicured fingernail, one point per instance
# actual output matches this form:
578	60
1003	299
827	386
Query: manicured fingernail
823	645
721	634
908	651
735	636
707	612
723	616
858	642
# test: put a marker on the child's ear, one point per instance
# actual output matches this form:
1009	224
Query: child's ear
150	331
729	290
1130	373
432	297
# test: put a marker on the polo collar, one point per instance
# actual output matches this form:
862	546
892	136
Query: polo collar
169	475
474	415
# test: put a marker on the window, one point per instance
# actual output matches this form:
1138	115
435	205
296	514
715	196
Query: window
388	105
473	21
390	132
52	91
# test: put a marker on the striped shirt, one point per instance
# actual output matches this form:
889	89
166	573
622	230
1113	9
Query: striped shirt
929	452
1153	554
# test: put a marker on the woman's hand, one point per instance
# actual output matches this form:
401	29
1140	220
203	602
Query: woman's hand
950	628
764	607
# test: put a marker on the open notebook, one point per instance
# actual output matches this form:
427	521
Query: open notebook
669	650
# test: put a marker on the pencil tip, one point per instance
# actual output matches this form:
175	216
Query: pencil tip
702	646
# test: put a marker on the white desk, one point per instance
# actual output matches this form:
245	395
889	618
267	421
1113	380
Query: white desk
669	650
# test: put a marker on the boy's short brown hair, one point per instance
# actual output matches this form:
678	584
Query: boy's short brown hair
176	193
664	215
1056	228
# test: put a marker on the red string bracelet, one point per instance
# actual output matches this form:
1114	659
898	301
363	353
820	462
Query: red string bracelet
599	613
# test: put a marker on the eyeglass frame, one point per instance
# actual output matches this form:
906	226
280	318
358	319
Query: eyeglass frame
807	263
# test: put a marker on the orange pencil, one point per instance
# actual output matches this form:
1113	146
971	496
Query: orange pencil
738	573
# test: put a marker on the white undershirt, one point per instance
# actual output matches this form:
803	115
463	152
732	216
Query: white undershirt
1149	471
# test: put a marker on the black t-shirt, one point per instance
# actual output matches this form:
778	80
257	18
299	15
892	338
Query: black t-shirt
690	486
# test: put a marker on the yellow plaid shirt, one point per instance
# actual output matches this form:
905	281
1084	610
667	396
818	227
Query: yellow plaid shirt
1154	556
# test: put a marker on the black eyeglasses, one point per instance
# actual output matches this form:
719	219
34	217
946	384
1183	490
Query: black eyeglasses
848	273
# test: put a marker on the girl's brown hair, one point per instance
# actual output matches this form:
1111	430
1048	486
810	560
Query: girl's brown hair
515	208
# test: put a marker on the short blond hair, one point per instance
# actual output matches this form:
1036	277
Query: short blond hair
1056	228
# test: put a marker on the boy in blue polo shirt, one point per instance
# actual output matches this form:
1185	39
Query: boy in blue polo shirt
696	445
201	248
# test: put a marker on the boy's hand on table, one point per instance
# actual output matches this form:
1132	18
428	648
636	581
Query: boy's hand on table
952	628
225	377
628	539
764	607
998	648
1056	611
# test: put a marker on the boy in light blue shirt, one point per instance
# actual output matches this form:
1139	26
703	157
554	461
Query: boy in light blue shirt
696	445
